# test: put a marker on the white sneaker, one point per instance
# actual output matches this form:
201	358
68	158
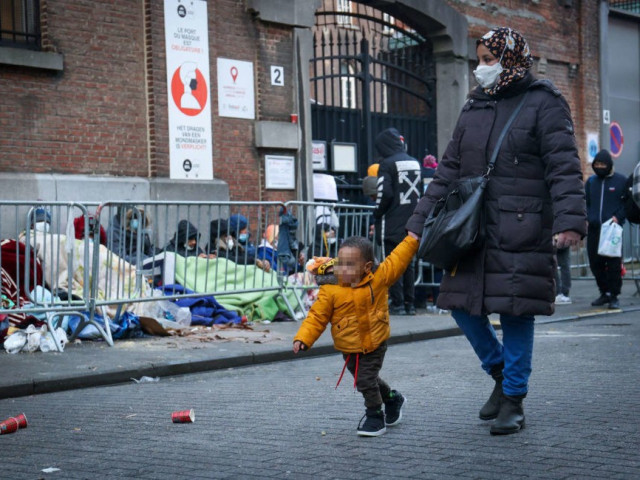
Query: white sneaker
563	300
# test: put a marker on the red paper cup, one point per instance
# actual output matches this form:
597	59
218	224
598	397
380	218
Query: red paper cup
10	425
22	420
183	416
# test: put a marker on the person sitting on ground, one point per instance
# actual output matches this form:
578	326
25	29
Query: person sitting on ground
78	226
185	241
268	248
122	235
239	230
222	244
361	292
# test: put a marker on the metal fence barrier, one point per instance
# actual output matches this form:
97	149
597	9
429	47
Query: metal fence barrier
43	264
99	260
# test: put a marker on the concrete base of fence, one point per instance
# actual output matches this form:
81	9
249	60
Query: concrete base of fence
90	188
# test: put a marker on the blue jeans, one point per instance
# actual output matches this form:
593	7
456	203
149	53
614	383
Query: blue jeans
516	349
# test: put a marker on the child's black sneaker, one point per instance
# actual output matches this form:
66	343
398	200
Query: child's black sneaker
393	408
372	423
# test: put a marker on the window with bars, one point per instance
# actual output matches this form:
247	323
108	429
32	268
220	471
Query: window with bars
20	23
343	6
632	6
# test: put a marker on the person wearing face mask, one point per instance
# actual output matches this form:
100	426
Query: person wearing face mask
239	230
41	220
123	231
605	200
533	203
185	241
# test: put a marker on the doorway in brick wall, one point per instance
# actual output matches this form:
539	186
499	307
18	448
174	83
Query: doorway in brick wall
370	71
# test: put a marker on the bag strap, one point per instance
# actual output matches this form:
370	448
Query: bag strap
505	129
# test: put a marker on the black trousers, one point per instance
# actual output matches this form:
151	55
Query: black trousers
607	270
368	382
403	291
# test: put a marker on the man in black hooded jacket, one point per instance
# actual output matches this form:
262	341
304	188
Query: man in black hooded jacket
605	200
399	187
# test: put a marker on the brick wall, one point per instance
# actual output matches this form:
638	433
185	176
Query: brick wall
233	33
106	113
90	118
563	36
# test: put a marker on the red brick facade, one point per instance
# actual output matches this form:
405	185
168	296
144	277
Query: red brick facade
89	118
106	113
563	36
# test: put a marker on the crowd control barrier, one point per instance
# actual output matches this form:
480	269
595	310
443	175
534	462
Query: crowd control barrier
96	261
144	250
43	260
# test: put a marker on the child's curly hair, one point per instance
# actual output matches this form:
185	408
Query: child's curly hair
365	246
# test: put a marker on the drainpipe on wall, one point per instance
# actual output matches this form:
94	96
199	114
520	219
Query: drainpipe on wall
604	78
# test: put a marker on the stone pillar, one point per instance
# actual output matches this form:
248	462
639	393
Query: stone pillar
452	86
303	51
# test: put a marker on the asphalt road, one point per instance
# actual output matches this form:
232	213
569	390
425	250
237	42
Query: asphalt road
285	420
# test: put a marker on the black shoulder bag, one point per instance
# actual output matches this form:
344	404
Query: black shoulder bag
453	229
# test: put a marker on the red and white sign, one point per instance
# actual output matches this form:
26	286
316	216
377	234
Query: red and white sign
189	106
236	97
617	139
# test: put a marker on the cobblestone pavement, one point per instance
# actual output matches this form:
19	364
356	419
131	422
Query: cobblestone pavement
285	420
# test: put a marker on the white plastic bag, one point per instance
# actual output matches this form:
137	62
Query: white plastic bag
14	342
48	344
610	244
33	339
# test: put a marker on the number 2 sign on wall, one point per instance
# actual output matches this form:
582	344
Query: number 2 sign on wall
277	76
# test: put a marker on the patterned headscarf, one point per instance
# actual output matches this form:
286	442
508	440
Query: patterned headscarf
516	58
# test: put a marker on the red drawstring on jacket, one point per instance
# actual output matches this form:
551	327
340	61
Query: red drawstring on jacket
355	375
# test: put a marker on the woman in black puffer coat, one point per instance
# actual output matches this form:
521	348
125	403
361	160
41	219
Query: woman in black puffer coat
535	193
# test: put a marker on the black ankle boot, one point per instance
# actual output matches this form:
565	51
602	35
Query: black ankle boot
511	416
490	409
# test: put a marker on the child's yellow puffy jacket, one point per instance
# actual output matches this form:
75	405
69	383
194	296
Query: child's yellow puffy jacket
359	315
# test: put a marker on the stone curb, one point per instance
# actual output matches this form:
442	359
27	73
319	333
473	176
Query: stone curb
166	370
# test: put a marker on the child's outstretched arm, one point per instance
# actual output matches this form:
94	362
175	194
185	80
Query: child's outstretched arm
317	319
398	260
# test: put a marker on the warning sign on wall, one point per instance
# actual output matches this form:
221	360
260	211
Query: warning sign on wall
617	139
189	105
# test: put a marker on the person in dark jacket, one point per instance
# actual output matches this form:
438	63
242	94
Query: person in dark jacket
399	189
605	200
185	241
535	194
123	231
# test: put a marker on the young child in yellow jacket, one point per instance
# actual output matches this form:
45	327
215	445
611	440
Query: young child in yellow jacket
358	310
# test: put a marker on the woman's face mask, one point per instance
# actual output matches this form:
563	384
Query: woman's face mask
487	75
133	224
230	243
243	237
41	227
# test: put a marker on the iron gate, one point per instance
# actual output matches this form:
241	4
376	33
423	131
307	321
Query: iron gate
370	72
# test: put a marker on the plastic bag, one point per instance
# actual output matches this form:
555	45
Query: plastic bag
173	312
14	342
48	343
166	309
610	243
